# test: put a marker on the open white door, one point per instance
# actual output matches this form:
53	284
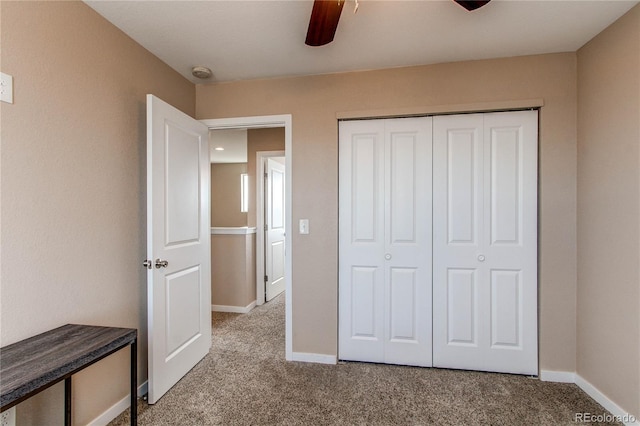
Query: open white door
274	232
178	245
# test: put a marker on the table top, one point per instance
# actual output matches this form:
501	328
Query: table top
33	364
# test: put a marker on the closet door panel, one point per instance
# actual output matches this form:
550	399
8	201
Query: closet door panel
402	304
506	309
458	193
463	152
511	237
503	255
385	236
506	162
365	187
407	253
361	241
462	307
403	198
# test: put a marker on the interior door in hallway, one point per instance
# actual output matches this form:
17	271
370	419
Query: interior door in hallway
275	249
385	241
485	242
178	245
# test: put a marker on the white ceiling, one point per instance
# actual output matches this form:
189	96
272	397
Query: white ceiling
242	40
233	143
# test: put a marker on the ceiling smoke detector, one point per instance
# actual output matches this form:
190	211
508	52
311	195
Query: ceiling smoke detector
201	72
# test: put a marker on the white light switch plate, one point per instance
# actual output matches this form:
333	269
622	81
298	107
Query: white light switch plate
6	88
304	226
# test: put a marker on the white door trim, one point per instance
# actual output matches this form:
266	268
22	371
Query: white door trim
267	121
260	254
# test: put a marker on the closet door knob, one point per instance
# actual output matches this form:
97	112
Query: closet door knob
387	256
481	258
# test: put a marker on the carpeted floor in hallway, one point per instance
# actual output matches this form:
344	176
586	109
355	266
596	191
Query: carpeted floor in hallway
245	380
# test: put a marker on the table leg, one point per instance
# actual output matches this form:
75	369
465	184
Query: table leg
134	383
67	401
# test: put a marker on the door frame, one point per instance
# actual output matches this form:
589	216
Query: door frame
270	121
260	213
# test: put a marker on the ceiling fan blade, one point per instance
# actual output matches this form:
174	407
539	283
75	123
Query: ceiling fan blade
324	21
472	4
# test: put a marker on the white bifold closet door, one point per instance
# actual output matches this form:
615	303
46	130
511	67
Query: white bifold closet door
385	241
485	242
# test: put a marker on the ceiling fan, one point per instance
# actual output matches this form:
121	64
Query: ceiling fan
326	14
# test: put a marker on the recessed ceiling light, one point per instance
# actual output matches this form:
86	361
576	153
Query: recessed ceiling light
219	148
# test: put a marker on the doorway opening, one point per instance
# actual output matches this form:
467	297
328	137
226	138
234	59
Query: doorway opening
270	122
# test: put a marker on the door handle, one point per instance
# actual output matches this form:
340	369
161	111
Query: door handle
161	263
147	264
387	256
481	258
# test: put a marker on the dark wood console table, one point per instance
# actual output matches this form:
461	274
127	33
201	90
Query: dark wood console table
32	365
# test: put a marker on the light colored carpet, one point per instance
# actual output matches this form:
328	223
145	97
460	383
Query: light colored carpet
246	381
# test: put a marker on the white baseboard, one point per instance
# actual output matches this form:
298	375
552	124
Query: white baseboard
234	309
603	400
557	376
593	392
314	358
116	409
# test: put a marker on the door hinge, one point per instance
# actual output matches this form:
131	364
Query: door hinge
266	227
266	175
266	278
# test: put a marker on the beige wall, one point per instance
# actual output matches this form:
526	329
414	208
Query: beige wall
233	270
260	140
225	194
73	187
315	101
608	352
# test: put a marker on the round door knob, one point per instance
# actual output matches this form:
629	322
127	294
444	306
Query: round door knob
161	263
387	256
481	258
